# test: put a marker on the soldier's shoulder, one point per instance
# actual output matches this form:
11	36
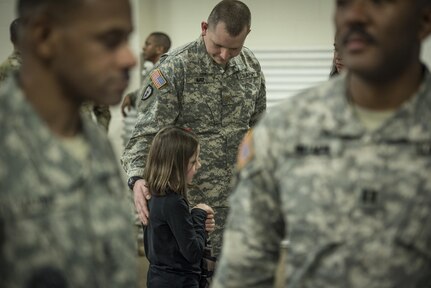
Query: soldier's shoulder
312	103
5	69
180	52
249	58
182	56
8	88
248	52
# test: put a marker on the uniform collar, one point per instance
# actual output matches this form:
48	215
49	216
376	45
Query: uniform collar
233	66
411	122
340	120
47	152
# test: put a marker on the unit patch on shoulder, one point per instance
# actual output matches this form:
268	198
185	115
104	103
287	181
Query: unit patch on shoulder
246	150
147	93
157	77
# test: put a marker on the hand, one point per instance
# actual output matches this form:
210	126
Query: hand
127	102
140	196
210	221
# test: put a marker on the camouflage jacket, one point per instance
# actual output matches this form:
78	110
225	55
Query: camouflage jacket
60	220
11	64
218	105
355	205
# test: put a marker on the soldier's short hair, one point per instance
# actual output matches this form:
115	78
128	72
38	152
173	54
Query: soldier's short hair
235	14
163	40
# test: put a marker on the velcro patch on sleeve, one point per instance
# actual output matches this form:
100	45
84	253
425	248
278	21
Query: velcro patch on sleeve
246	150
147	93
157	77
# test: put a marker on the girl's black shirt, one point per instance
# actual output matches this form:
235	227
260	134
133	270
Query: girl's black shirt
175	236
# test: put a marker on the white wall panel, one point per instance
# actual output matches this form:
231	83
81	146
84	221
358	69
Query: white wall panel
288	71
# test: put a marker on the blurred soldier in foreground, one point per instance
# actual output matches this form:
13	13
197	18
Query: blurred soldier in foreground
64	217
343	170
156	44
13	62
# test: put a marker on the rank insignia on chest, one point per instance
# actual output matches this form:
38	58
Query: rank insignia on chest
157	78
369	198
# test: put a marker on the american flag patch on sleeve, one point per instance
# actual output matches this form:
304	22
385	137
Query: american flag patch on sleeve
157	78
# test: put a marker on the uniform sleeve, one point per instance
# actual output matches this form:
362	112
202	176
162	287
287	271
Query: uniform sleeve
254	226
158	107
188	228
260	105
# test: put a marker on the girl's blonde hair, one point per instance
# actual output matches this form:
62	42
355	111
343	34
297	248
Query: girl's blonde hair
168	160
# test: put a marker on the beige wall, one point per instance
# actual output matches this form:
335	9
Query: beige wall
275	23
7	14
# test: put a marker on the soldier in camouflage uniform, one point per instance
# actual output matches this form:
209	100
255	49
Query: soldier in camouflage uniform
213	86
64	220
343	170
156	44
13	62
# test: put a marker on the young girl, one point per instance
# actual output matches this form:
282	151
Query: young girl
175	236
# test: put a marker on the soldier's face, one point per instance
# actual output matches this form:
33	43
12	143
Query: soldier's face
379	38
220	45
91	56
150	49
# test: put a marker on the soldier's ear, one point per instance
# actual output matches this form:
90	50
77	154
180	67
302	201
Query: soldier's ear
160	49
204	28
42	33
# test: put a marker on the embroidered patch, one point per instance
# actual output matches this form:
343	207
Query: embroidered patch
157	77
147	93
246	150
